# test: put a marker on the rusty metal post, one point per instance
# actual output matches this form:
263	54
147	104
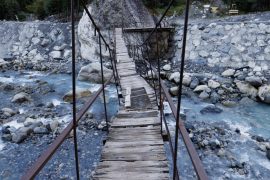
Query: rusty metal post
102	80
180	87
74	89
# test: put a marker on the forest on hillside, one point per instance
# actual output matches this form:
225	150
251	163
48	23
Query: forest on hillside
21	9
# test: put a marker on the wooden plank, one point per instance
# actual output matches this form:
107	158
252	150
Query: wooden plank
132	176
113	144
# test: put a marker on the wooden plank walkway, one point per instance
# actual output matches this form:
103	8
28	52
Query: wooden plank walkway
134	149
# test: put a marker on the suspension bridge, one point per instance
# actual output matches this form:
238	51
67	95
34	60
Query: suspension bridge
134	148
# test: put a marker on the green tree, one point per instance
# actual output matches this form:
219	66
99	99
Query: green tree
9	9
38	8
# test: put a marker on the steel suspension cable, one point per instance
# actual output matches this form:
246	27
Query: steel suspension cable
74	89
180	86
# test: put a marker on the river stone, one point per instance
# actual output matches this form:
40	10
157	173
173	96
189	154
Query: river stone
59	48
167	67
26	130
186	80
21	97
80	92
174	90
41	130
19	137
264	93
204	95
254	81
56	54
228	73
228	103
54	125
8	111
201	88
45	42
203	54
213	84
211	109
92	73
194	83
246	88
175	77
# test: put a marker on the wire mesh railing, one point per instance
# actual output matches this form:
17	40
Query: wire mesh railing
138	51
50	151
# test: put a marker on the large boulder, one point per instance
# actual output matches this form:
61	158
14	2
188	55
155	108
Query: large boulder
246	88
264	93
21	97
92	73
79	94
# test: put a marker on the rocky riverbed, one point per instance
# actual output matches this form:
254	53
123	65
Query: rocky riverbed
226	90
34	111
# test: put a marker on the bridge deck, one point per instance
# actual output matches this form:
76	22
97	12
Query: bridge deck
134	148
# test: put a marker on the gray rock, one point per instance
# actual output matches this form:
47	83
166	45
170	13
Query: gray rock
92	73
41	130
213	84
175	77
8	111
25	130
228	103
21	97
167	67
174	91
264	93
54	125
254	81
194	83
204	95
45	42
228	73
211	109
214	97
19	137
80	92
56	54
201	88
247	89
